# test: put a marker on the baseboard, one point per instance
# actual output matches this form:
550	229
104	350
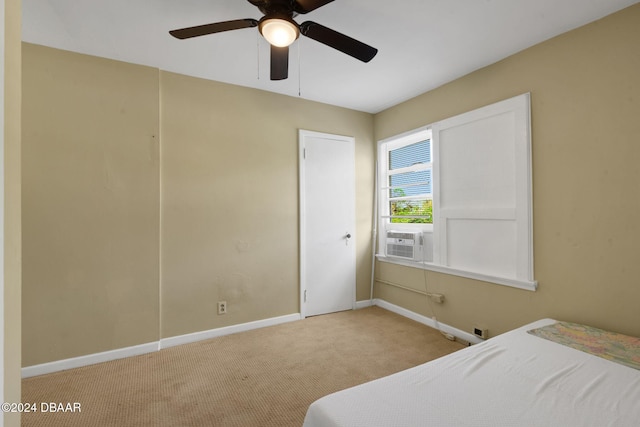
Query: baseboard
427	321
364	304
90	359
106	356
227	330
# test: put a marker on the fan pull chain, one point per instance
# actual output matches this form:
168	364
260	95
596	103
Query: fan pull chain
258	52
299	68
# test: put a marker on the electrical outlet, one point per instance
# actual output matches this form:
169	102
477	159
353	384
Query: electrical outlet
222	307
481	333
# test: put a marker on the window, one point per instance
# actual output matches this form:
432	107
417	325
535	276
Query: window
462	188
407	181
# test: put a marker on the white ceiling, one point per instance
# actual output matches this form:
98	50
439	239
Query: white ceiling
422	43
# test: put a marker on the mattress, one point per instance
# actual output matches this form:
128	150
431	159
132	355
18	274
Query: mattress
515	379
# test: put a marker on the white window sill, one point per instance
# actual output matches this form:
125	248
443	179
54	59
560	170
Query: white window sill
514	283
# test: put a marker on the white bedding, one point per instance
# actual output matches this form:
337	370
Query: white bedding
513	380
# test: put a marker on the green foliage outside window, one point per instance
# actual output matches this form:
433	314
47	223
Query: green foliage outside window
411	208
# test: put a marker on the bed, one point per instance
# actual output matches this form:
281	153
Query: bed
547	373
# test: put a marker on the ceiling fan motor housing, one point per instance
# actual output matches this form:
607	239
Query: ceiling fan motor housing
276	7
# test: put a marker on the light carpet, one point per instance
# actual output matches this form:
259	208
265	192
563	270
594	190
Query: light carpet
264	377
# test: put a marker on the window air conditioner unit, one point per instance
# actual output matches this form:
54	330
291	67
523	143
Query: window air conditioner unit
405	244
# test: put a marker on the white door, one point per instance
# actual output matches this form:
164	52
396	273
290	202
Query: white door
327	223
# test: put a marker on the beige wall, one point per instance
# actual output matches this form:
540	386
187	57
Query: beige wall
230	200
90	205
109	149
12	222
585	91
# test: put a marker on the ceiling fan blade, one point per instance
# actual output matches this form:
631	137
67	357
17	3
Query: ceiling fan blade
306	6
339	41
279	62
218	27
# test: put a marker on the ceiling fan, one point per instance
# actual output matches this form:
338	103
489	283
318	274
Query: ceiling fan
280	30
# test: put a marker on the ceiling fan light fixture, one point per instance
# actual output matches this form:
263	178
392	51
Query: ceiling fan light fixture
279	32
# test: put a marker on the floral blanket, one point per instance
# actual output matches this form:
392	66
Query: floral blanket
612	346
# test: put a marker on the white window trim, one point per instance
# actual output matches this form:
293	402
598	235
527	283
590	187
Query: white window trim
392	143
524	210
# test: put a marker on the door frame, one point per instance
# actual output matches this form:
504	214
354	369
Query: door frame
302	134
2	191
